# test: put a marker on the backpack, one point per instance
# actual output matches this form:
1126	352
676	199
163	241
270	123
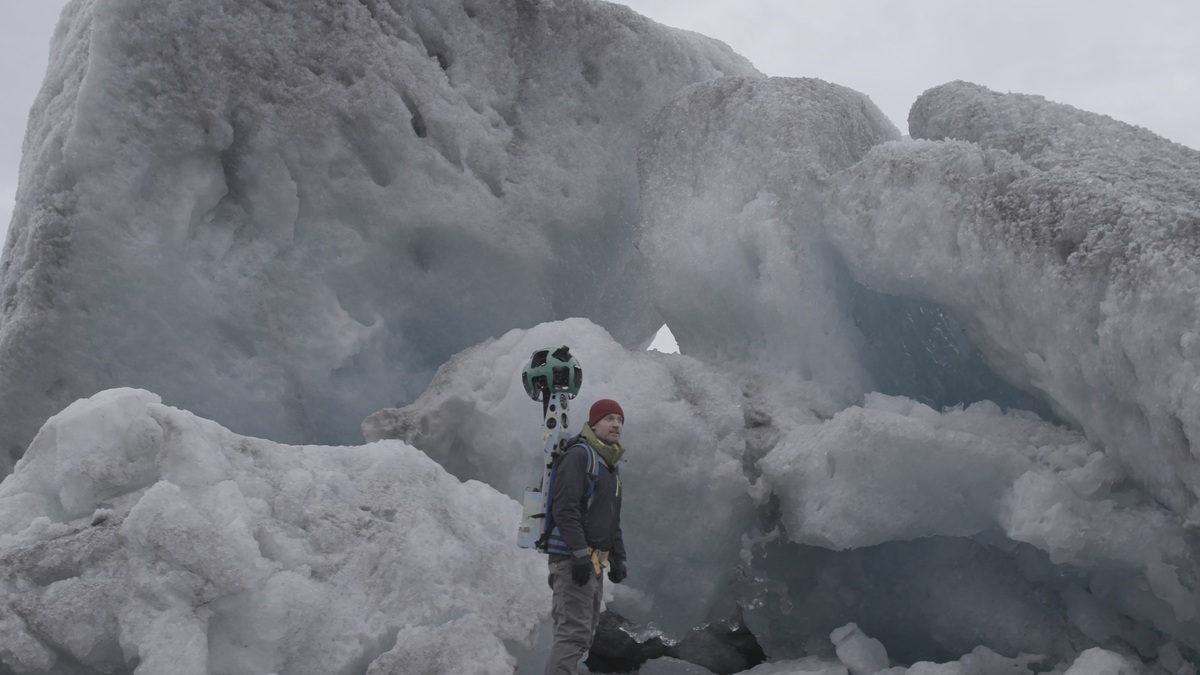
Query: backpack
551	540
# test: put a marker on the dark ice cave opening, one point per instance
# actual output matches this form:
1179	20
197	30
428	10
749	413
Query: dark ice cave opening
920	350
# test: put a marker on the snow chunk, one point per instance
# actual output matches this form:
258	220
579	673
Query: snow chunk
1065	243
862	654
874	474
224	553
1097	661
465	645
894	470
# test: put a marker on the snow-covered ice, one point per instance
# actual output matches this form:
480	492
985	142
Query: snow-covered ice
197	550
863	655
315	204
1066	245
732	172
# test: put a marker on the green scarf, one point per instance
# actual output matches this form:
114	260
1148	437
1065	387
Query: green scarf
611	452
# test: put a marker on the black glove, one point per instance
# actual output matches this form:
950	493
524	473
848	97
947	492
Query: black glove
581	570
616	571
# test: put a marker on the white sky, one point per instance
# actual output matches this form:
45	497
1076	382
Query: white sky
1138	62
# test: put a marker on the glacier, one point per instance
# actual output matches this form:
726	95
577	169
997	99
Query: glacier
935	411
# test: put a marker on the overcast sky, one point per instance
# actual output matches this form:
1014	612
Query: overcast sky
1138	62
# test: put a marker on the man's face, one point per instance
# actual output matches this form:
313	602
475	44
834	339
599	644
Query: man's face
609	428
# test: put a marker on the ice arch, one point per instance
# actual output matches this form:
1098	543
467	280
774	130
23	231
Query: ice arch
1067	243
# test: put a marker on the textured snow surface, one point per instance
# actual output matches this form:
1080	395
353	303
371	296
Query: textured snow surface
732	172
1066	244
284	216
135	534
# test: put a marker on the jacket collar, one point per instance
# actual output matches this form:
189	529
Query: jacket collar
611	452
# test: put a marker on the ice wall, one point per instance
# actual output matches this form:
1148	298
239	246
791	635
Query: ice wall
133	534
1055	276
1066	244
285	216
732	177
1041	257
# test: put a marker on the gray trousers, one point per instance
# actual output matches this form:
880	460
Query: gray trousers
575	611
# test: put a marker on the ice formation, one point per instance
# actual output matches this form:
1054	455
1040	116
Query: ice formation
135	535
732	173
1040	257
935	413
284	216
1066	244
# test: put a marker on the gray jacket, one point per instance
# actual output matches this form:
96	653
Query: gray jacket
586	521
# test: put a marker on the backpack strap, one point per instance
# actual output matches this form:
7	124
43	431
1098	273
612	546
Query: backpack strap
551	541
593	476
593	467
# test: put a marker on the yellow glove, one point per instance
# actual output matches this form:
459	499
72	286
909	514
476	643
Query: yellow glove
599	560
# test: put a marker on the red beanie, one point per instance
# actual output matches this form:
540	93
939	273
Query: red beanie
603	408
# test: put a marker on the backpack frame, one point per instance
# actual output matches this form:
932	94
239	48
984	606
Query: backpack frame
551	540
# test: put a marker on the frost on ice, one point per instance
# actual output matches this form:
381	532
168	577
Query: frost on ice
1066	245
731	172
138	535
315	204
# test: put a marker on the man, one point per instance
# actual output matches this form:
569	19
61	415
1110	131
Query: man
586	534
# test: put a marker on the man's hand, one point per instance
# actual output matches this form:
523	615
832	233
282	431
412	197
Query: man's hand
616	571
581	570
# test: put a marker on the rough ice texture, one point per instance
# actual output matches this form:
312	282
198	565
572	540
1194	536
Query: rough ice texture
862	654
285	216
1066	243
937	532
684	437
896	470
957	275
732	172
196	550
